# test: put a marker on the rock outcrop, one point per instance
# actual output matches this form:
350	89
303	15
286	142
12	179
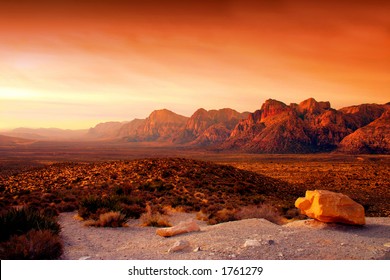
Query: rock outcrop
105	130
370	139
310	126
331	207
209	127
159	126
130	129
183	227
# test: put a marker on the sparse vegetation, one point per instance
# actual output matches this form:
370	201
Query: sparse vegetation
34	245
191	185
262	211
27	234
20	221
152	218
109	219
92	207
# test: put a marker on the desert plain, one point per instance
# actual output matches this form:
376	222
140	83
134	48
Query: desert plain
207	186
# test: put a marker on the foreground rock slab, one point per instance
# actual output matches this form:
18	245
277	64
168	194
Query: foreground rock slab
183	227
330	207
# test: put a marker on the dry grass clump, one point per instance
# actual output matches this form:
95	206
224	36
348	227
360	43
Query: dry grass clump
92	207
154	219
20	221
35	245
27	234
109	219
262	211
222	216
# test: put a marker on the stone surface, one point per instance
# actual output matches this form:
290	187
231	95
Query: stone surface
373	138
331	207
183	227
179	245
252	243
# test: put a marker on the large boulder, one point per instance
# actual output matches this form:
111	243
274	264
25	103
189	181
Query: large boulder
183	227
331	207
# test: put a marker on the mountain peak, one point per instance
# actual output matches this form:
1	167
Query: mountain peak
312	106
166	116
272	107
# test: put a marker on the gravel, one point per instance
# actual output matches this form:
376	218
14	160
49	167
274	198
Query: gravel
254	239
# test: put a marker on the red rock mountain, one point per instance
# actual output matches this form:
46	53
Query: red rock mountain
161	125
130	129
310	126
209	127
105	130
373	138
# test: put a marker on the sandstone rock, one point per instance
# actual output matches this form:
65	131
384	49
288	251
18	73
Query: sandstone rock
209	127
179	246
331	207
252	243
183	227
373	138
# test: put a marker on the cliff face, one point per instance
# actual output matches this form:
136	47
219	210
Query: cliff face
161	125
105	130
373	138
208	127
310	126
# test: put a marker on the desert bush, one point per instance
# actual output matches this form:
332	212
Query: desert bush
262	211
20	221
152	218
91	207
34	245
222	216
132	211
202	216
109	219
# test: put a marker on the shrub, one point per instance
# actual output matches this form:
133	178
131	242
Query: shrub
109	219
222	216
262	211
35	245
132	211
92	206
20	221
154	219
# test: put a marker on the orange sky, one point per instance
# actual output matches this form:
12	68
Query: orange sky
72	64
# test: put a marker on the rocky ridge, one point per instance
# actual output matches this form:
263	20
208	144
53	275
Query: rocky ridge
307	127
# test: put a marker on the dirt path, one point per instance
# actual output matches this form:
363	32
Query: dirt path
297	240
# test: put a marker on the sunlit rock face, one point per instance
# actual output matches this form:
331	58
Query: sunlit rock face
331	207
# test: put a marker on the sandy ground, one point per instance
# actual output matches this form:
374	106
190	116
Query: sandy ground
307	239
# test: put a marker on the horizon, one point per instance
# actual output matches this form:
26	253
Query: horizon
73	64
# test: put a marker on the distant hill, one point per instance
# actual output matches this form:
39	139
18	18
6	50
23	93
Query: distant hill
209	127
159	126
47	133
12	141
276	127
105	130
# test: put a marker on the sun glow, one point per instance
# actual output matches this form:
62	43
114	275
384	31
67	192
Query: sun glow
19	94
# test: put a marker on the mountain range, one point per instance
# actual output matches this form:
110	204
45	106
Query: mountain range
276	127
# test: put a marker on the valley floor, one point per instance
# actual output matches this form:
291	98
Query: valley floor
299	240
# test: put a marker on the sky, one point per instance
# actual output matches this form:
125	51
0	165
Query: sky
72	64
